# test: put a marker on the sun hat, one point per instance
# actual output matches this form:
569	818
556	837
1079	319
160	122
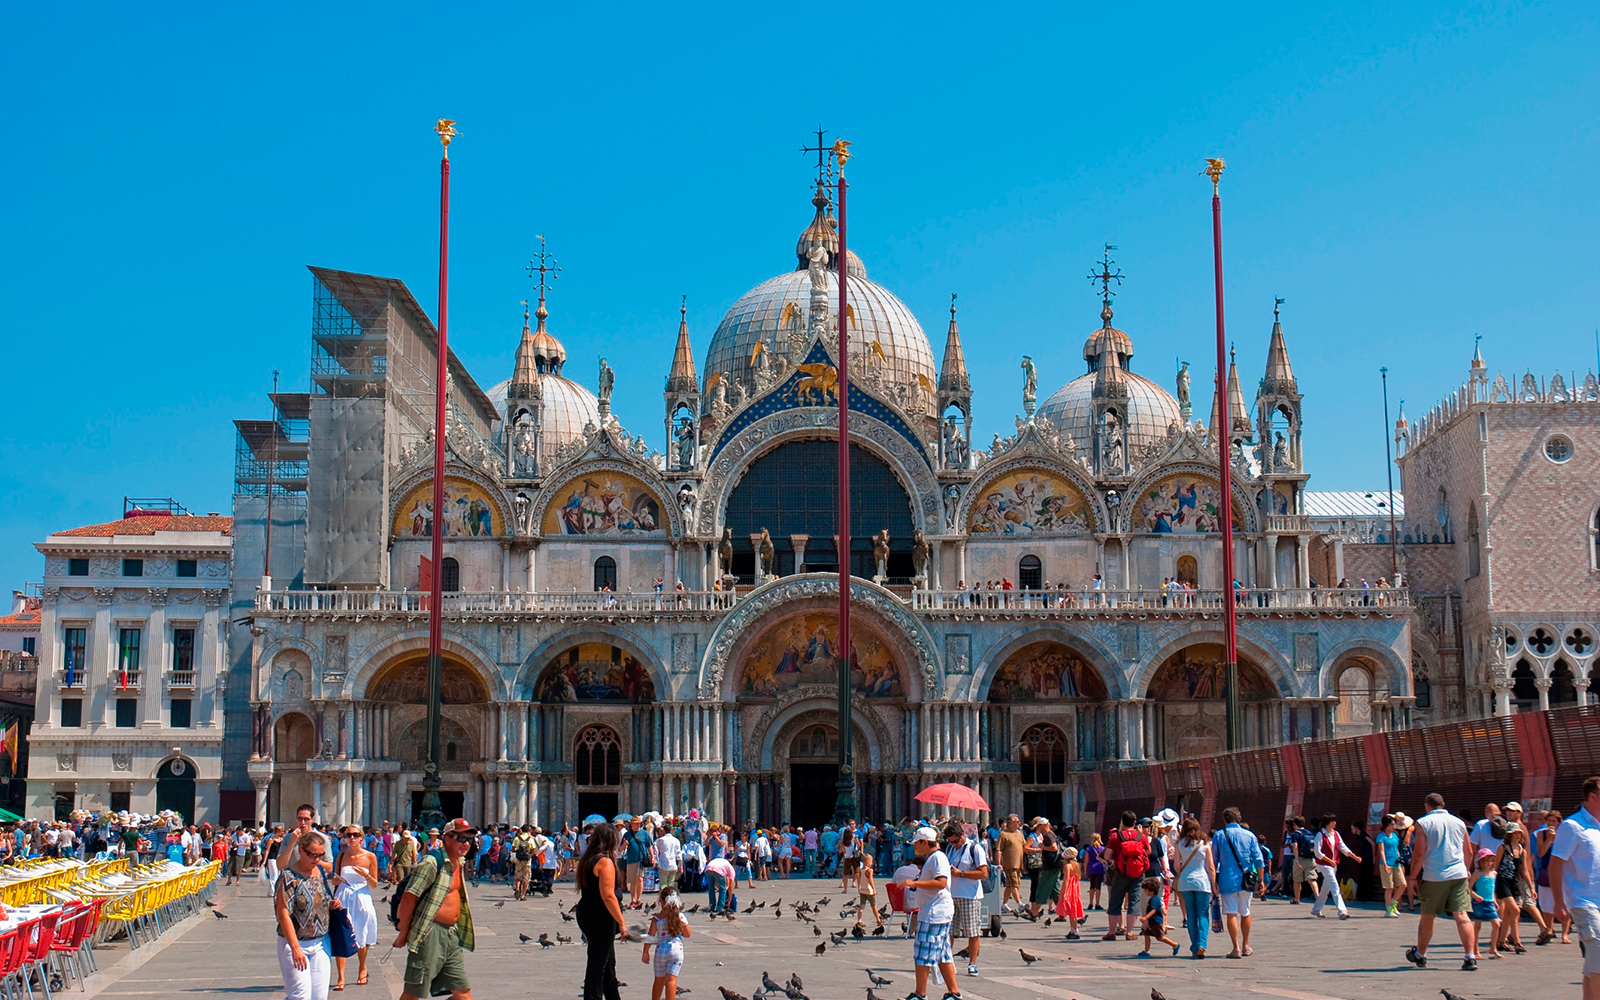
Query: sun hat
1484	852
1167	817
927	834
1513	807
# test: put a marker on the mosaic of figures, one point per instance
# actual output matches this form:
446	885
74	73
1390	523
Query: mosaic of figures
604	503
1197	673
406	682
594	671
468	511
802	650
1030	501
1045	671
1180	505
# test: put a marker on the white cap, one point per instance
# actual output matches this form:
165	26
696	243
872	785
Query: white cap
927	833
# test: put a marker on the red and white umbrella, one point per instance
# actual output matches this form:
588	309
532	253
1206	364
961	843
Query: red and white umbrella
953	795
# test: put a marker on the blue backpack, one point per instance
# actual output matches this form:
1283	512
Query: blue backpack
400	890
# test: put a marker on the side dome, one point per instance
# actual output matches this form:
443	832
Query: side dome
567	407
774	313
1151	411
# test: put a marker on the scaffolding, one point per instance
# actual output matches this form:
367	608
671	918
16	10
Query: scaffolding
147	506
274	454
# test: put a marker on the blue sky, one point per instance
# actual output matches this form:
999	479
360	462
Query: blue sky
1404	178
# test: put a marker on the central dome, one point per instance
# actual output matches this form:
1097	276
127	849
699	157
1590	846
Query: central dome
775	313
1150	410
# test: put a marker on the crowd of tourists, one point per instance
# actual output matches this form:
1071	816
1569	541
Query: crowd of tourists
1155	878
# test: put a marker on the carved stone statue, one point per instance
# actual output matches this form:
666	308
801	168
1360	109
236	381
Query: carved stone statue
1113	455
955	446
1280	453
765	553
524	506
607	379
735	394
725	551
1030	385
1183	384
687	501
919	555
817	256
952	500
524	448
880	552
686	444
761	367
717	395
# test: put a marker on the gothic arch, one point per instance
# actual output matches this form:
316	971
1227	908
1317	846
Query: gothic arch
790	594
790	718
171	756
1397	670
672	524
534	664
416	477
991	472
1271	662
909	466
1097	656
267	663
377	658
1244	505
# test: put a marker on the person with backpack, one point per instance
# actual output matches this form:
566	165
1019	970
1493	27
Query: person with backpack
1305	856
1047	877
1127	859
969	870
1237	855
522	852
435	920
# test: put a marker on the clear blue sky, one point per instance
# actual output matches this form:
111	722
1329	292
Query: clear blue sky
1404	179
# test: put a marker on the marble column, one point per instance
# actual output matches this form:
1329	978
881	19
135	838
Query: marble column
358	801
262	784
1543	684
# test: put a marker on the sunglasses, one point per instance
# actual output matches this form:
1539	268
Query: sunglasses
315	856
462	838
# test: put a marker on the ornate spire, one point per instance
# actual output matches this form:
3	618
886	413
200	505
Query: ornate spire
953	371
681	379
822	227
1240	417
548	354
525	374
1109	382
1279	378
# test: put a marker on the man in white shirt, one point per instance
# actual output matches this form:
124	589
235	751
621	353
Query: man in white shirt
969	866
932	944
1440	868
669	858
1483	832
1575	881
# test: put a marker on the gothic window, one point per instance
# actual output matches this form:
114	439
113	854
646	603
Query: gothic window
1594	540
1355	698
1424	692
1562	689
1043	756
1030	573
1523	690
1442	515
597	757
450	575
1474	543
605	573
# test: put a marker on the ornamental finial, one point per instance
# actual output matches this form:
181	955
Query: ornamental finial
447	131
841	152
1214	169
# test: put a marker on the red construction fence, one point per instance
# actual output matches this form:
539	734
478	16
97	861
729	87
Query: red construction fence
1538	758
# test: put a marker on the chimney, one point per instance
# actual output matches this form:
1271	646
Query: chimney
19	602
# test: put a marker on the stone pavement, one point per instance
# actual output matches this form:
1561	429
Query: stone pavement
1295	957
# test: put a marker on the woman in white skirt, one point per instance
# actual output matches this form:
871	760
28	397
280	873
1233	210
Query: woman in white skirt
358	876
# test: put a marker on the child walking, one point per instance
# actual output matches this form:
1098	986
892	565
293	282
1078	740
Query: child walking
1153	924
668	928
867	890
1484	910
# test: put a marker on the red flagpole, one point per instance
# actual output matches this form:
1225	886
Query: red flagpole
844	802
1224	460
432	814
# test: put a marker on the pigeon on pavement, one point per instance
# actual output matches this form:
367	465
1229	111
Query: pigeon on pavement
1030	959
728	994
877	980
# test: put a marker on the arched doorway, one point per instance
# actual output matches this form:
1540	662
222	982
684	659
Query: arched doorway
294	741
1042	758
403	683
175	788
814	774
1047	692
1187	704
1354	716
597	770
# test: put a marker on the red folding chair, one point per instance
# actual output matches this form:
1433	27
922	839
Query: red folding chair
38	957
68	940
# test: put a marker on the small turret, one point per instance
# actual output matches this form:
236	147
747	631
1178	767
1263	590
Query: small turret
954	392
682	398
1278	406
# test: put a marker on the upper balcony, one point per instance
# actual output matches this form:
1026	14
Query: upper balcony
1055	603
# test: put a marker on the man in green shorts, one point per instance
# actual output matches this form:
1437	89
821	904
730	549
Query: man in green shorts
1440	868
436	922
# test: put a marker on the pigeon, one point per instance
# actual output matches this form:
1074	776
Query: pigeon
794	980
1451	996
879	931
693	909
524	938
1048	921
837	938
768	985
905	926
563	939
1030	959
499	904
210	904
877	980
682	990
962	953
824	901
776	902
729	917
219	914
1002	933
566	917
816	931
793	993
545	942
1156	994
871	995
822	946
857	933
885	910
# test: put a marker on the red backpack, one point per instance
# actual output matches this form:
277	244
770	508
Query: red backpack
1130	854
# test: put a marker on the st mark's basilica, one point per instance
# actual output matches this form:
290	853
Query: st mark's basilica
648	621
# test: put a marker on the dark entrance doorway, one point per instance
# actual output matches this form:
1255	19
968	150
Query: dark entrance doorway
1046	804
175	788
603	803
812	791
450	803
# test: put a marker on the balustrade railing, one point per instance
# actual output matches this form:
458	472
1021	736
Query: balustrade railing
180	679
377	602
1289	522
1182	600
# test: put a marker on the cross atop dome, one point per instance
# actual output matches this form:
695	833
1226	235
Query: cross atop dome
1105	276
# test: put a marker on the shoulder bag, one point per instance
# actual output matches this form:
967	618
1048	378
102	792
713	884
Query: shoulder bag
341	933
1250	879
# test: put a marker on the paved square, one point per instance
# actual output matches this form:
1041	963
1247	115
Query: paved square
1295	957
